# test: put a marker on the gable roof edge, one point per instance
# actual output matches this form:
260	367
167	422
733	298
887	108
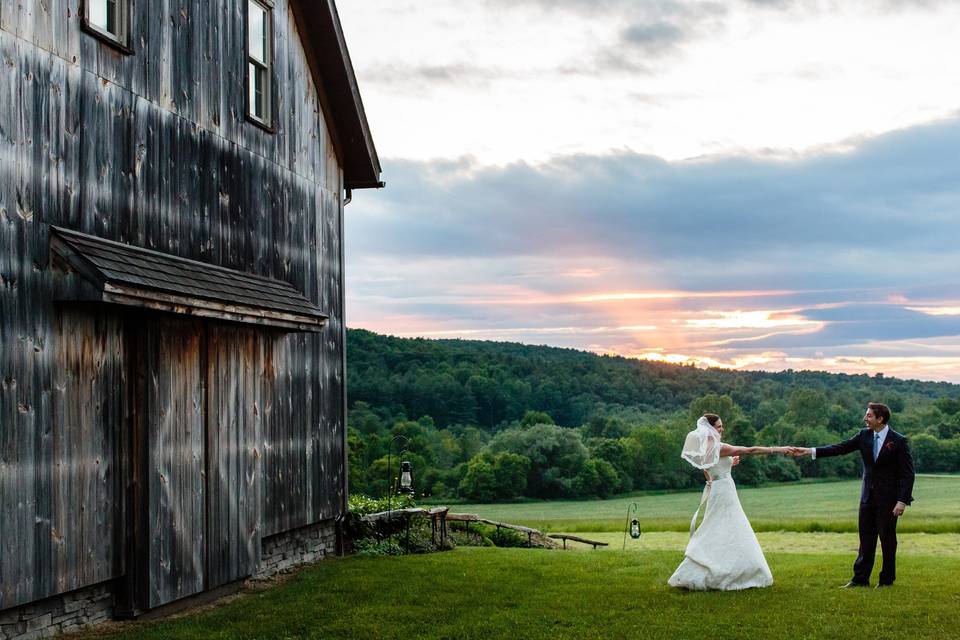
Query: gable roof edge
322	36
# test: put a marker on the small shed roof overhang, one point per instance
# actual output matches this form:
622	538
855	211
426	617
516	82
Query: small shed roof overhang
127	275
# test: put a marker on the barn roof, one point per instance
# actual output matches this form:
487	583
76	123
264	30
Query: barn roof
127	275
339	94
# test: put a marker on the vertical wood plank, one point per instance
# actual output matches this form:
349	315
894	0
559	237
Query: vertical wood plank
176	486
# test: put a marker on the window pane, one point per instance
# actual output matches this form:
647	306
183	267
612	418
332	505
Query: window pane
258	91
257	31
105	15
98	14
112	22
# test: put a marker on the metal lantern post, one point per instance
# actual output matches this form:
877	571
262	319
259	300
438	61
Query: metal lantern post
406	471
632	525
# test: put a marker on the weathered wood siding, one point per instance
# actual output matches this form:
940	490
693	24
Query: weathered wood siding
174	417
152	149
234	446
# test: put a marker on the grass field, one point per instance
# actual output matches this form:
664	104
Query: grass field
488	593
825	506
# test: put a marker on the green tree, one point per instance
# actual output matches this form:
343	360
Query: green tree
931	455
531	418
498	476
808	408
555	453
480	483
722	405
596	478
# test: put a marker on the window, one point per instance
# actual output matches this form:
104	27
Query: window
259	61
109	20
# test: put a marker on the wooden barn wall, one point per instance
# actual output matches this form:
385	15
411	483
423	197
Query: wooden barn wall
153	150
175	398
234	437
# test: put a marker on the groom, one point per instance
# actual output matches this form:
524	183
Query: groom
886	491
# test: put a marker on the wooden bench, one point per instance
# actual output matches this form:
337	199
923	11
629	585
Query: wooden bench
565	537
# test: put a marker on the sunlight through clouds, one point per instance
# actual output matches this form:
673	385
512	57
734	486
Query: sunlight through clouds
748	185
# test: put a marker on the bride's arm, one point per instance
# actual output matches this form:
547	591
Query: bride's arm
727	450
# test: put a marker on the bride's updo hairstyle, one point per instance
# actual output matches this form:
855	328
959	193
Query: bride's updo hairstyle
711	418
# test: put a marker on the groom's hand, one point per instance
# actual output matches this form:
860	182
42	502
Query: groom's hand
899	509
797	452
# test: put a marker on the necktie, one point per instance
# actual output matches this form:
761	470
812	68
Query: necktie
876	446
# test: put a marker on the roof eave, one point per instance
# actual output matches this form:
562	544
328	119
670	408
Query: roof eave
336	82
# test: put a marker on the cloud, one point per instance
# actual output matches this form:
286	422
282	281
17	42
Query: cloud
882	214
417	78
732	258
654	39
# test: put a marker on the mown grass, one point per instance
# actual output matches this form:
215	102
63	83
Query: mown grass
826	507
518	593
909	544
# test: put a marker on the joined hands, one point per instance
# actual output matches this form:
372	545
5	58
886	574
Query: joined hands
796	452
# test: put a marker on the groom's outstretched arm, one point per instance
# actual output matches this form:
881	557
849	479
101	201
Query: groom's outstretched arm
839	449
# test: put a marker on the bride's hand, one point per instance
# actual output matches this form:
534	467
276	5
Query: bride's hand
734	461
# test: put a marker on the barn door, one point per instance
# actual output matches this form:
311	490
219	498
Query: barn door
172	417
196	497
233	454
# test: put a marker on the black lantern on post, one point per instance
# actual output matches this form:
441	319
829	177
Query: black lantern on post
632	525
406	478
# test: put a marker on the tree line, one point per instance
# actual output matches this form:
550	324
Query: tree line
490	421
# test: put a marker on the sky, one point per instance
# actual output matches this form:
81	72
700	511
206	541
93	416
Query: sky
752	184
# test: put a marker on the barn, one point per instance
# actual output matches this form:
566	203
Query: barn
173	177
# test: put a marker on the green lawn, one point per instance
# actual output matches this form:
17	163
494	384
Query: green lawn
487	593
825	506
909	544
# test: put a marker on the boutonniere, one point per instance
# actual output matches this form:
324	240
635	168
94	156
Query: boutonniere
888	446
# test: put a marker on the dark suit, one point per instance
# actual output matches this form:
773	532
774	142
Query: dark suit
886	481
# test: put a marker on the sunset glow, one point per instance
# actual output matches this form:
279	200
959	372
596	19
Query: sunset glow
676	181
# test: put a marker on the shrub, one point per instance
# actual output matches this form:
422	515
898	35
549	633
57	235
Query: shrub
374	547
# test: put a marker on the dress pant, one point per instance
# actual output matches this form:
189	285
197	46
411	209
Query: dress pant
876	520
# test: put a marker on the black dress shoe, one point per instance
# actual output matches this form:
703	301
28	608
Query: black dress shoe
883	585
852	585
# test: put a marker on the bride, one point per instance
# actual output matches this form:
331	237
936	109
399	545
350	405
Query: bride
723	552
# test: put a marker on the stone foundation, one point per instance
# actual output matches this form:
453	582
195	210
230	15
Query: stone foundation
300	546
58	614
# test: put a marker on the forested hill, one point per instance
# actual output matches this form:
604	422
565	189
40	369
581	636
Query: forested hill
487	383
496	421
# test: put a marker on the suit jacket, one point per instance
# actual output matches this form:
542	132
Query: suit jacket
887	480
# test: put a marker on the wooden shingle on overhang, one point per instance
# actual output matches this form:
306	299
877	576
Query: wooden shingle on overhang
332	71
123	274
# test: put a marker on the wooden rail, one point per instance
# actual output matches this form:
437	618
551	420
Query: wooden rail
437	515
565	537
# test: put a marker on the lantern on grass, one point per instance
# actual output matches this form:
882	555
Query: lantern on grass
632	525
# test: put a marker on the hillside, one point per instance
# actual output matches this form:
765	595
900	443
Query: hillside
486	383
494	420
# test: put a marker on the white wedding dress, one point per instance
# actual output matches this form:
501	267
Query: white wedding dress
723	553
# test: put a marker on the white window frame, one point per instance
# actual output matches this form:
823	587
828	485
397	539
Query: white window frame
120	38
265	119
